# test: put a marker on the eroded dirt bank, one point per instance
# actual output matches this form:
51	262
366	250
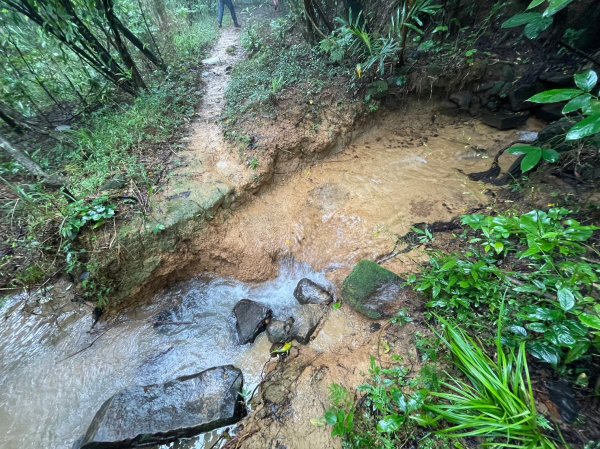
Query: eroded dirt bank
403	169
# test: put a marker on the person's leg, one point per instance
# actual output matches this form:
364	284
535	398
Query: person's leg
220	14
229	4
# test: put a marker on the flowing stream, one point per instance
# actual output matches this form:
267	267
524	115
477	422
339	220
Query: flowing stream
56	369
53	381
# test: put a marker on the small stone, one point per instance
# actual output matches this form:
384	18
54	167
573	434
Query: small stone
251	319
309	292
115	183
279	331
306	321
212	61
504	120
557	79
550	112
518	97
462	99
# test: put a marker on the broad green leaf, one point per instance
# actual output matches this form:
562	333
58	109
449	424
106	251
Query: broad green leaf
522	149
390	423
564	336
556	5
534	29
550	155
521	19
544	352
518	330
535	4
577	103
566	299
586	80
537	327
330	417
531	159
577	351
589	320
585	128
555	95
449	265
542	313
498	247
592	108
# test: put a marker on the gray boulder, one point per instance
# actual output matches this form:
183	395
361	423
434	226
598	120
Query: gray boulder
306	321
309	292
280	331
251	319
156	414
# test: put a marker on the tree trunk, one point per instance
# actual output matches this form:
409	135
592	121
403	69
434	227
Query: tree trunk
9	119
29	165
139	44
84	43
120	45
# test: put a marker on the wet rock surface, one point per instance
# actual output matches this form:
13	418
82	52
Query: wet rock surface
309	292
504	120
251	319
374	291
155	414
563	395
279	331
306	321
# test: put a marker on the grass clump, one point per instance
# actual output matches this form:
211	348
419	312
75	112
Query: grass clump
486	399
272	67
495	402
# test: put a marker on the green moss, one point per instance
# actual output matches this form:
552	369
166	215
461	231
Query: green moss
31	275
366	278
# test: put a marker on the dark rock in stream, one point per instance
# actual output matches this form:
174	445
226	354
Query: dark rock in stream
374	291
309	292
504	120
280	331
251	319
306	321
156	414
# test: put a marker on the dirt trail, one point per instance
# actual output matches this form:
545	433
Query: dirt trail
208	162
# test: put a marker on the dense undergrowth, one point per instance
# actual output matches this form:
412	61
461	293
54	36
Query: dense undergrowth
278	58
527	282
121	146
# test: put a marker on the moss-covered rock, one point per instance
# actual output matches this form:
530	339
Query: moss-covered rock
374	291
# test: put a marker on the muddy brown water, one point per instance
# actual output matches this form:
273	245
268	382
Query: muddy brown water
55	372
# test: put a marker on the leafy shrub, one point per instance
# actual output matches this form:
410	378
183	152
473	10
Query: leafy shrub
271	69
580	100
533	262
535	22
